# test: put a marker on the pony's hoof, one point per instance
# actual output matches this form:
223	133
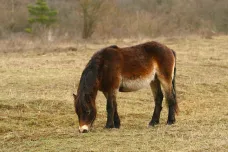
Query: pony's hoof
117	126
153	123
170	122
109	126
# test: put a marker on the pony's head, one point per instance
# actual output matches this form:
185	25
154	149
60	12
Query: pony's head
86	111
84	101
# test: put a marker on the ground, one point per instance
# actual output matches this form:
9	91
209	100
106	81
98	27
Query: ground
36	102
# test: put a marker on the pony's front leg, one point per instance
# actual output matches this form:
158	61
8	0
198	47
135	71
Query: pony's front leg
112	114
116	116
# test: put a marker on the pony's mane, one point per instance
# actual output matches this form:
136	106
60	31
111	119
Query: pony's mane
88	82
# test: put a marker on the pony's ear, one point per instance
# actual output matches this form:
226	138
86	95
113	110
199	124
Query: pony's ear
75	96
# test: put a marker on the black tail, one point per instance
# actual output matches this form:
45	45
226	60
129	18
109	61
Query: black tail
174	84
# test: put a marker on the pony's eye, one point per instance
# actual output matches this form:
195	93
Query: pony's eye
88	112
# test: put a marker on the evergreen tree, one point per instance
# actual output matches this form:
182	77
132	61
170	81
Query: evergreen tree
40	13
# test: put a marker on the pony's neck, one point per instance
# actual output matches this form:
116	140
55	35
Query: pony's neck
93	94
88	86
87	96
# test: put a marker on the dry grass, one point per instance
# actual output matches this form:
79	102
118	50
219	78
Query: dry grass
37	109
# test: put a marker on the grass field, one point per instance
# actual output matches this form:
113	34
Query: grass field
36	103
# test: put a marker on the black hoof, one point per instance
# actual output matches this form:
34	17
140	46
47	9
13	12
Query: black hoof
109	126
153	123
170	122
117	124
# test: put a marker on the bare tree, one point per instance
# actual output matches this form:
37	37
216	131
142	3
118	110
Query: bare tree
90	10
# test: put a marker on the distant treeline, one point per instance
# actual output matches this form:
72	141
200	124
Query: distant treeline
121	18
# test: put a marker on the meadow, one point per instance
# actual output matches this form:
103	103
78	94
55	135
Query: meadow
37	113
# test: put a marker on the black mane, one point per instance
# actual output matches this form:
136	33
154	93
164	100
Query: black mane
87	86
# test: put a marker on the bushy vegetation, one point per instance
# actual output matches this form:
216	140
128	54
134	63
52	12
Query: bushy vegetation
128	18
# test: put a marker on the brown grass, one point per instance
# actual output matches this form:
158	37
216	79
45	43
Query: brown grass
37	114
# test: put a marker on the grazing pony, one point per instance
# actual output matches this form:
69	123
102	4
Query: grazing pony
114	69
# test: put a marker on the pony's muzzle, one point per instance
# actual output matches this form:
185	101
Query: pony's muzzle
83	129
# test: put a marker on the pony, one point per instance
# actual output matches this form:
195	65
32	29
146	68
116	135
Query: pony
114	69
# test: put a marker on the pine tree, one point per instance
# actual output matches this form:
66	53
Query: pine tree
41	14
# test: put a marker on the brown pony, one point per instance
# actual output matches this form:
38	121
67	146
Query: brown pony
114	69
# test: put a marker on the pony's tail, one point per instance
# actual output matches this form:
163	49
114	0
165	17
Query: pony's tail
174	85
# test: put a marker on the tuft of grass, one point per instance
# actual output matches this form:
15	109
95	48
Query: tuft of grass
37	113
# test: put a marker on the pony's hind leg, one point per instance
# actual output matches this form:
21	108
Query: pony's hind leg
116	116
172	104
170	96
112	114
158	97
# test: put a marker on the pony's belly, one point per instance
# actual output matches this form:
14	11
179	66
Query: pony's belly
128	85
